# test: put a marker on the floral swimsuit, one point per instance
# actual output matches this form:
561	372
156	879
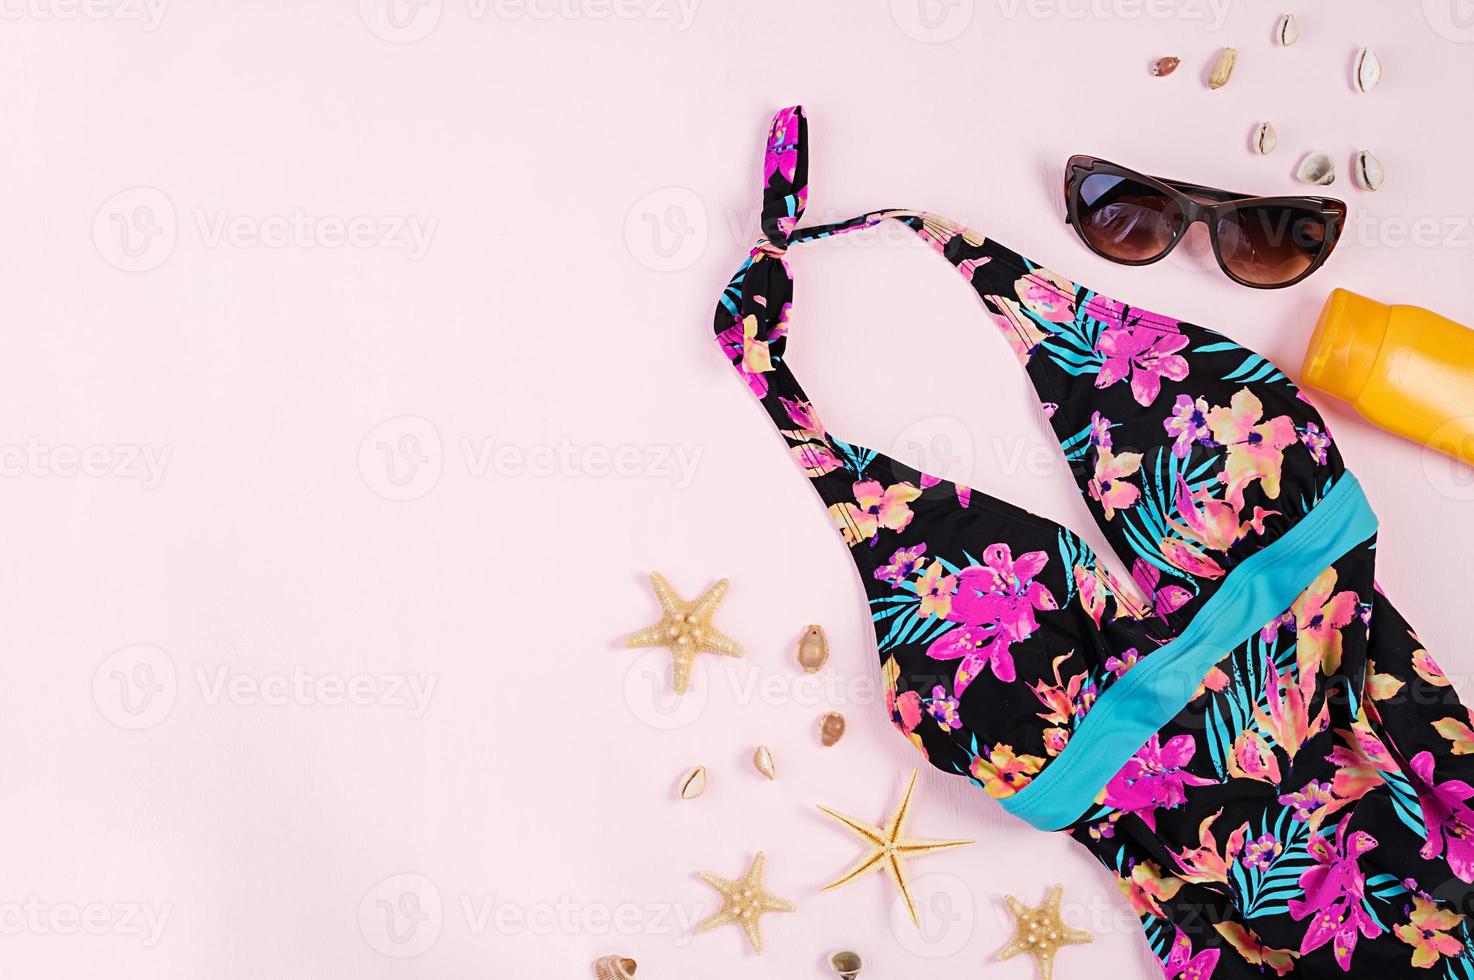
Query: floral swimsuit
1248	735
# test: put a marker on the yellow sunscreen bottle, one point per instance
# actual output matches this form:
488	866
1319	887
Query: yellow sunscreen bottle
1405	368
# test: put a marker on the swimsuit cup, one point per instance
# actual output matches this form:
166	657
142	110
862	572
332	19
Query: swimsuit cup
1248	735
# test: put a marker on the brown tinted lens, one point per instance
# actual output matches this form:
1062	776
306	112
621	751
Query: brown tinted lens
1125	219
1270	245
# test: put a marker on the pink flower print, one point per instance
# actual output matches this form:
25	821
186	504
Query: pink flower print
752	356
943	709
935	589
1002	590
1109	485
1181	964
1320	614
1207	862
1450	822
1143	354
1272	628
969	267
1188	424
815	458
1189	558
977	647
1261	852
995	602
1308	799
1100	431
1255	448
1060	697
1165	598
803	416
1250	757
1317	441
905	709
1288	719
782	155
1092	593
1022	332
904	563
1155	779
1335	895
1119	665
1214	524
874	508
1047	295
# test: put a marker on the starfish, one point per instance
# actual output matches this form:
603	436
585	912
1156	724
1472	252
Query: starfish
889	847
744	901
1040	932
685	627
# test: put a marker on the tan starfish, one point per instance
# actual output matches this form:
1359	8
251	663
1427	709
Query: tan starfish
685	627
890	848
744	902
1041	931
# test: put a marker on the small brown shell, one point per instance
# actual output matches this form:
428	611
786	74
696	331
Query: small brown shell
693	783
846	964
1367	70
1222	69
1367	171
1163	67
813	649
1287	31
831	728
1316	168
1265	139
614	968
762	759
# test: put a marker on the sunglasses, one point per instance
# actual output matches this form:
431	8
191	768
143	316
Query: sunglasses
1134	219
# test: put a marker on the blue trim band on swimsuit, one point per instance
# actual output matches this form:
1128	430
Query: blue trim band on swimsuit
1153	692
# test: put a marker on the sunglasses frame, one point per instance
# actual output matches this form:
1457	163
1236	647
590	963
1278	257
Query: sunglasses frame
1200	203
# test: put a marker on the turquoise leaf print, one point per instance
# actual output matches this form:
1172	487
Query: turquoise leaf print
1266	890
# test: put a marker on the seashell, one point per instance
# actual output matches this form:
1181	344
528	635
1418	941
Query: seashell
693	783
1367	171
1316	168
1368	70
1163	67
1222	69
614	968
763	760
1265	139
831	728
846	964
813	649
1287	31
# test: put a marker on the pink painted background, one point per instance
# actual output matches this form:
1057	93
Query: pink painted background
357	369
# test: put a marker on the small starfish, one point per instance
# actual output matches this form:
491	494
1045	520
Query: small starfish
744	901
890	848
685	627
1040	932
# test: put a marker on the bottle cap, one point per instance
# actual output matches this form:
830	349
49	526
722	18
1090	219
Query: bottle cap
1347	339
